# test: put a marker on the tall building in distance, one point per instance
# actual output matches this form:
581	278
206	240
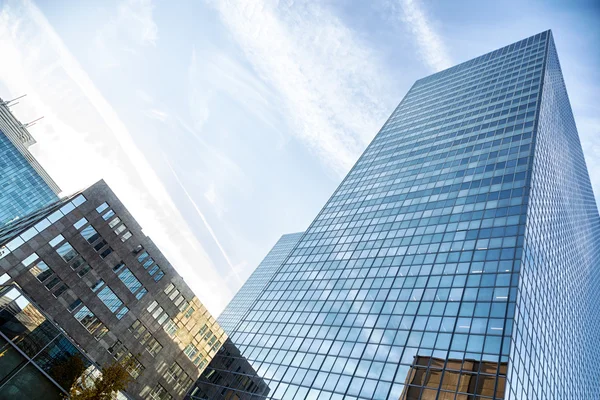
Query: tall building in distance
24	184
248	293
88	266
458	259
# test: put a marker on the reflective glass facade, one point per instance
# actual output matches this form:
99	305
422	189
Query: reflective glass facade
24	185
457	259
556	332
35	352
252	288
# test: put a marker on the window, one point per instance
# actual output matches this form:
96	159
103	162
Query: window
157	312
190	351
173	372
90	234
106	252
101	207
160	393
153	347
109	214
118	267
74	305
179	300
79	261
169	287
100	332
163	318
100	245
60	290
189	312
153	270
87	319
79	200
141	293
137	249
174	294
114	222
67	208
183	306
54	242
41	271
135	368
110	299
159	276
122	312
117	350
137	329
148	263
52	282
84	270
152	306
97	285
80	223
171	328
129	280
126	236
120	229
67	252
31	258
142	256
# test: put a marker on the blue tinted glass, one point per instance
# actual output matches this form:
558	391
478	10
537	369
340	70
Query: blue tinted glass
459	255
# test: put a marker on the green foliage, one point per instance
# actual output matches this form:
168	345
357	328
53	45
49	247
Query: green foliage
66	372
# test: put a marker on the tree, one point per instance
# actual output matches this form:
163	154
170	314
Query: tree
67	370
113	377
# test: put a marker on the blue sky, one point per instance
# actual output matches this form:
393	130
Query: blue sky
224	124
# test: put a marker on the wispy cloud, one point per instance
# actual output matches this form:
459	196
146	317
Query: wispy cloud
430	45
330	83
202	217
212	72
81	123
131	26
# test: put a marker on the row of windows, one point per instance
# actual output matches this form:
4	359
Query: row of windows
414	255
129	280
140	332
119	351
43	224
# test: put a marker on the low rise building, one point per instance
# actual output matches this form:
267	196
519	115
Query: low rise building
86	262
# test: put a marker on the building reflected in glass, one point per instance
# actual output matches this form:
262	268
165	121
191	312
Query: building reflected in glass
457	259
229	376
465	377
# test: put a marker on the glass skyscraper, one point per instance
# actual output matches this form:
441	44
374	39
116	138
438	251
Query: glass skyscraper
249	292
458	259
24	185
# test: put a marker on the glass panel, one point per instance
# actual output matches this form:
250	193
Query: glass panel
101	207
110	299
108	215
80	223
67	252
114	222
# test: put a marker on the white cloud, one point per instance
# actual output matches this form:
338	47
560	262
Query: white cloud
83	139
329	82
202	217
132	26
212	72
159	115
431	47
